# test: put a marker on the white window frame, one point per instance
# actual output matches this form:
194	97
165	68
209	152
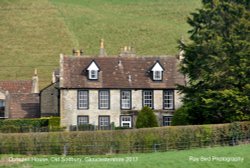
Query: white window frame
125	99
157	75
104	99
93	74
147	101
126	121
83	99
82	120
167	120
168	99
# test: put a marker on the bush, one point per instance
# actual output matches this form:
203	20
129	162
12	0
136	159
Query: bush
54	124
180	117
146	118
125	141
54	121
37	122
122	128
30	125
86	127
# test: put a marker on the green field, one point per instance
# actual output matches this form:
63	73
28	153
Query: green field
34	32
195	158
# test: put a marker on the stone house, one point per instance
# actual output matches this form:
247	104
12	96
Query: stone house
104	90
20	99
49	97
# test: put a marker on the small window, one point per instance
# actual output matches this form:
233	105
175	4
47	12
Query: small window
104	122
104	99
93	74
2	108
148	98
82	120
167	120
168	99
126	121
2	104
157	70
157	75
93	70
83	99
125	99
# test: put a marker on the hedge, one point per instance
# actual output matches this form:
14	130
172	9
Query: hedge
125	141
30	125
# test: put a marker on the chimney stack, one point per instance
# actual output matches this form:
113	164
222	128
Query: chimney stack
35	82
77	52
127	51
102	49
129	78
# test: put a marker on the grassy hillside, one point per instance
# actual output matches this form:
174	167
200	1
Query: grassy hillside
34	32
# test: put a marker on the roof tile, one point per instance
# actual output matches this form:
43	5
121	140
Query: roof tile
16	86
115	71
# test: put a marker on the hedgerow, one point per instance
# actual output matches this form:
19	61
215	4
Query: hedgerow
125	141
30	125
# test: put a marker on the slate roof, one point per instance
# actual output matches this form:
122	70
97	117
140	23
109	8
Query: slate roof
23	86
117	72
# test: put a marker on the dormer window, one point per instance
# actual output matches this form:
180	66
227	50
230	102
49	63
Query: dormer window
93	74
157	75
93	70
157	72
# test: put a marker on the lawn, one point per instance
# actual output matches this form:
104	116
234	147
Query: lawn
195	158
33	32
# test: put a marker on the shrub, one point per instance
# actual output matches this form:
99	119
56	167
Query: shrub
30	125
54	121
54	124
86	127
37	122
146	118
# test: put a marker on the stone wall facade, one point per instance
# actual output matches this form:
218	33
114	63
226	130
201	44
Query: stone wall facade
69	109
50	100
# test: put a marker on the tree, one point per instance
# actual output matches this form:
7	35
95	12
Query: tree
146	118
217	63
180	117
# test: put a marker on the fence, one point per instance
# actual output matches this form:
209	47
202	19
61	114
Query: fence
113	147
125	141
